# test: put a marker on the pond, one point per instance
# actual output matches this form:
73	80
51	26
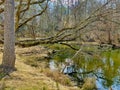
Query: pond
91	62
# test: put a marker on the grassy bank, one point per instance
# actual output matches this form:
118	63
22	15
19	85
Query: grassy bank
33	72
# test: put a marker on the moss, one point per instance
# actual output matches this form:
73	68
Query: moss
2	75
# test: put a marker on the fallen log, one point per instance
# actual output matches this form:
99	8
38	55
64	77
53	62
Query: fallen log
28	43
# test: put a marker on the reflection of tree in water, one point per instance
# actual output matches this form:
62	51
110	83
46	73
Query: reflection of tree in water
111	67
106	68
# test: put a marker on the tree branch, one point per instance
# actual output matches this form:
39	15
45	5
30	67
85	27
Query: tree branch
29	19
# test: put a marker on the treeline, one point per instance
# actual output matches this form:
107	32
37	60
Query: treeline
64	20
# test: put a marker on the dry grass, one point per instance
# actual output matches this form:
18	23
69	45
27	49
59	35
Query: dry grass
31	78
89	84
58	77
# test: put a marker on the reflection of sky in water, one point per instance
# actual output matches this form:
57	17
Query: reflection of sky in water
99	85
116	87
52	65
104	60
111	62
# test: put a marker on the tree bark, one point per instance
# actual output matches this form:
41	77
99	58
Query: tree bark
8	62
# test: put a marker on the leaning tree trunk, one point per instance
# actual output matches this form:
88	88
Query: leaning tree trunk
8	62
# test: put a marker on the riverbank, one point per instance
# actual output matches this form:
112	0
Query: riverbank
31	77
34	73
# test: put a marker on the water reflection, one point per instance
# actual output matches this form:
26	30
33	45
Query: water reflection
105	67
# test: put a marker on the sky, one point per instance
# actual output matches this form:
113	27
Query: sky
66	2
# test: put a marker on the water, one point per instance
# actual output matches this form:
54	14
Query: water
103	65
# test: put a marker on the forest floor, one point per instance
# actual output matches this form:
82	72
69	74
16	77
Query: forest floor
32	75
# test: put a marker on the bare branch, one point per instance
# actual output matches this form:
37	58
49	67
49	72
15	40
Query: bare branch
29	19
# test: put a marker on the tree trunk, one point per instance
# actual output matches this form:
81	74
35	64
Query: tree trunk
8	62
